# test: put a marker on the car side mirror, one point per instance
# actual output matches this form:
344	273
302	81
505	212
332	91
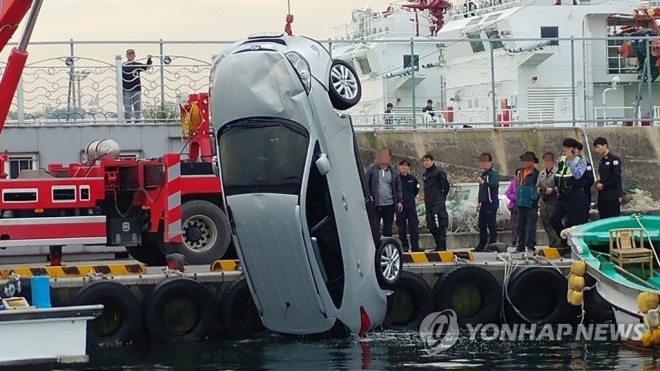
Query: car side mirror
216	168
323	164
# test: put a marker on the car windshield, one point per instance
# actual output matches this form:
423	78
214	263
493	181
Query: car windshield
262	155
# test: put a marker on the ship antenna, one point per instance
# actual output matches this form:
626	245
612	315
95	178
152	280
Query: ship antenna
289	19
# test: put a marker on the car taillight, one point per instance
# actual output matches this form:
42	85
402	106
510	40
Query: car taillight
365	322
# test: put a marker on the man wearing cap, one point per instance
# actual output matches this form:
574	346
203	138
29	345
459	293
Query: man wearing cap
527	201
588	180
569	185
609	185
132	85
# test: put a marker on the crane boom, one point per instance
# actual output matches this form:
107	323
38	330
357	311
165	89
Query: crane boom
12	13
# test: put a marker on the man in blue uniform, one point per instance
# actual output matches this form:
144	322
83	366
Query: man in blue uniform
609	184
588	180
408	216
488	201
569	184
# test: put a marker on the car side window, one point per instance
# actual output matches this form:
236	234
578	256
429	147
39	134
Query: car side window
262	155
323	227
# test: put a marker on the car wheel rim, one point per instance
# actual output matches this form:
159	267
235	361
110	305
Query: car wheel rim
199	233
390	262
344	81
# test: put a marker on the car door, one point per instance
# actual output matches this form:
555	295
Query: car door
262	164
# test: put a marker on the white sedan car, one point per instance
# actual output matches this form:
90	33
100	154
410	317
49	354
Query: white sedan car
301	214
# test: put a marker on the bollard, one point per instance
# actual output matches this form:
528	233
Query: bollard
175	262
40	291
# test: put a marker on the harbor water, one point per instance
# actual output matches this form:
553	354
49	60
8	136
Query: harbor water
380	351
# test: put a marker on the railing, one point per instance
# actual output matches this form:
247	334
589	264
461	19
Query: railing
492	82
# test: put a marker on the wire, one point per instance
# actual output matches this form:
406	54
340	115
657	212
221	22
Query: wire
191	120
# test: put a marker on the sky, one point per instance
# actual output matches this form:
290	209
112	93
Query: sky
92	20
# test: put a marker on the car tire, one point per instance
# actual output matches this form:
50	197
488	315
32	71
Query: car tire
199	217
240	317
389	262
343	76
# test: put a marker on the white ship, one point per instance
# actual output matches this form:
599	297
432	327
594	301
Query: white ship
540	75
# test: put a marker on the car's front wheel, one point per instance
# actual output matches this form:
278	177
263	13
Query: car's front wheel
344	88
389	262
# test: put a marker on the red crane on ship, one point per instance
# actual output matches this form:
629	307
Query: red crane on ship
436	8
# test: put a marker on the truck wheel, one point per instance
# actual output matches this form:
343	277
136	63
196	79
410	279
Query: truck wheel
344	87
206	233
149	253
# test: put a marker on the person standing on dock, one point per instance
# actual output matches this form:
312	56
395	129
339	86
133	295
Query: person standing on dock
131	84
385	187
588	180
436	189
569	186
513	211
609	184
408	216
527	201
547	197
488	201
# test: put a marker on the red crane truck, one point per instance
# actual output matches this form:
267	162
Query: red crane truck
153	207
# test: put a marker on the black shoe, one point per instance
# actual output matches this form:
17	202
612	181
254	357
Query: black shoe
479	249
405	248
416	249
520	250
440	249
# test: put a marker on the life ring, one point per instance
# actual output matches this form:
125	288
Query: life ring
472	292
410	302
538	293
595	307
190	319
23	288
239	314
121	319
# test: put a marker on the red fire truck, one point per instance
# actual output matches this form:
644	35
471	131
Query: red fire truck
153	207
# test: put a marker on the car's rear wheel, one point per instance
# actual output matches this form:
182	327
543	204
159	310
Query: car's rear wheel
345	89
389	262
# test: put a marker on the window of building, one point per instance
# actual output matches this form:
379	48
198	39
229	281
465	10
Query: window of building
550	33
476	43
19	162
125	155
493	34
408	61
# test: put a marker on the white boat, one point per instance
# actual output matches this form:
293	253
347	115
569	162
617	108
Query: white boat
44	336
540	75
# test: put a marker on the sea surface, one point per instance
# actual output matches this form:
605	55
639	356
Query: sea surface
380	351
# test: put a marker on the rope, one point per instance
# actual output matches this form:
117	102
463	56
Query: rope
191	120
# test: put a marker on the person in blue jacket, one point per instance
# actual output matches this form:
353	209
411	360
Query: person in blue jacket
408	216
488	202
527	201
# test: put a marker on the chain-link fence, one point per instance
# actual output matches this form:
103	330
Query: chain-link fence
429	82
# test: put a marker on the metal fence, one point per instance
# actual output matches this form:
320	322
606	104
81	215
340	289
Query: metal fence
471	81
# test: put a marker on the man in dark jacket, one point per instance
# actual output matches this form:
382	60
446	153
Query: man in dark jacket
131	84
385	187
527	201
408	217
436	189
488	201
609	184
588	179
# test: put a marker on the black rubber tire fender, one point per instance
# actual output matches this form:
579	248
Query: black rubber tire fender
338	101
596	309
236	302
23	288
384	284
173	288
550	283
220	221
149	253
110	293
422	301
489	290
